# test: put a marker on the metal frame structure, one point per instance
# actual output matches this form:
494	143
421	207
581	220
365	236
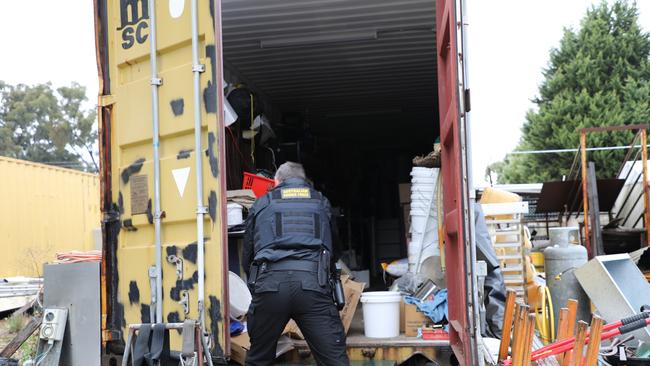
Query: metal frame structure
583	158
460	248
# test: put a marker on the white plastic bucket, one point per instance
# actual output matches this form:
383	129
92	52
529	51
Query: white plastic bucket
381	314
240	296
235	216
423	191
428	238
423	180
422	204
424	172
422	212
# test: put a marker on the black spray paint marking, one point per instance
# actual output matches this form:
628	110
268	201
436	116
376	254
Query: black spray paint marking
215	316
145	313
134	293
173	317
210	92
214	163
119	314
188	284
120	203
189	252
184	154
132	169
178	105
128	225
149	213
116	320
212	205
171	250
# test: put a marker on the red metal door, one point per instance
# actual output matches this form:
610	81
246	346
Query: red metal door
456	181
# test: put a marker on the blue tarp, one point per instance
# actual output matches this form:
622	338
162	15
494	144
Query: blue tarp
435	309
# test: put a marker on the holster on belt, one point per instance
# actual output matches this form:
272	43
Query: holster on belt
252	277
323	268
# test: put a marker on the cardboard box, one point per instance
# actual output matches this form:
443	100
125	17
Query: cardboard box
413	319
240	344
405	193
352	290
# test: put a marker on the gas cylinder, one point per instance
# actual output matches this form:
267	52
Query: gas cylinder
559	263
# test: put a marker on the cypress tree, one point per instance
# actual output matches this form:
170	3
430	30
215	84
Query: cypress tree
598	76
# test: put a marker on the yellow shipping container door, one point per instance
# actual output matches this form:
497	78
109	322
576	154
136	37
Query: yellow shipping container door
126	149
45	210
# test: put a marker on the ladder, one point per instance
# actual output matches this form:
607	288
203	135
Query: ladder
504	221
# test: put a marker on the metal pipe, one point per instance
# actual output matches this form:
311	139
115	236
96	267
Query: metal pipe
585	202
646	206
156	82
628	154
201	210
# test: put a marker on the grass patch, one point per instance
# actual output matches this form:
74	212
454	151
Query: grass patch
28	349
15	323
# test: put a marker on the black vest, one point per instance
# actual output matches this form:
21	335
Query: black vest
292	222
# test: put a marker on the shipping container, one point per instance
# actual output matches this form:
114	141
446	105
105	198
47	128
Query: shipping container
352	89
45	210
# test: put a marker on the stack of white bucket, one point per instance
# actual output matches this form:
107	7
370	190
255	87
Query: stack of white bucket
424	216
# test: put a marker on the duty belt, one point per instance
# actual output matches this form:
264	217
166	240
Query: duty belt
292	265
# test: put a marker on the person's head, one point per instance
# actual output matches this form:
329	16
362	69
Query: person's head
289	170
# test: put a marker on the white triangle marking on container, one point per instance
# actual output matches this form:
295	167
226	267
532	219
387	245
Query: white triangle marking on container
180	176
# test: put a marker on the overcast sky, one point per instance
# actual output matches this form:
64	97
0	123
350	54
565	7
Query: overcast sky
509	43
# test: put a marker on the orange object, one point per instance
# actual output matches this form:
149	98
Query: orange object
430	334
258	184
509	315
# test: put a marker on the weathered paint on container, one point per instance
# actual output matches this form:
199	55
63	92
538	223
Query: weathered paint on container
126	151
45	210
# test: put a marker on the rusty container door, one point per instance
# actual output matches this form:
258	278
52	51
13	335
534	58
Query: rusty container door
459	252
123	35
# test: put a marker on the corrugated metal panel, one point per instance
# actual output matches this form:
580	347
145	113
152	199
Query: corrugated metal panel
396	70
128	173
45	210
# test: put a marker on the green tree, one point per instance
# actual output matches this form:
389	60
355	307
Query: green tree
38	123
599	76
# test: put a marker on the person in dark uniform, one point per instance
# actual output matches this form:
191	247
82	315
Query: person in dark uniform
289	255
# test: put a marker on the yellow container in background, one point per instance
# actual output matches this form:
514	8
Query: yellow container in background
45	210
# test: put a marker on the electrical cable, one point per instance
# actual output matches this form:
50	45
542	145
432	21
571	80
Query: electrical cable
234	141
79	257
550	312
42	356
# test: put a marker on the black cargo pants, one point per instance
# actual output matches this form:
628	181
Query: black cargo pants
282	295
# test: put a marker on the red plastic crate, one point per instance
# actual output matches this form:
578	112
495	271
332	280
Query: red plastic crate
258	184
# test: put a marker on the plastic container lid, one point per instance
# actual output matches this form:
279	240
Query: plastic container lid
240	296
381	296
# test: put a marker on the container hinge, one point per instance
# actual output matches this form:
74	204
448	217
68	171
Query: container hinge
173	259
156	81
185	301
198	68
106	100
467	101
111	335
